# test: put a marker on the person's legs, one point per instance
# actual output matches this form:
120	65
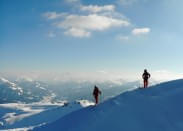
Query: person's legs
96	99
145	83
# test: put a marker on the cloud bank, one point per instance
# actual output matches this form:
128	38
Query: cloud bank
96	76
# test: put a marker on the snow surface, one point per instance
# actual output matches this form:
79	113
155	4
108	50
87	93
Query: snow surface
23	117
12	85
158	108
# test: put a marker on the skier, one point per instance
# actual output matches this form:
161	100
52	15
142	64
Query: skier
146	76
96	93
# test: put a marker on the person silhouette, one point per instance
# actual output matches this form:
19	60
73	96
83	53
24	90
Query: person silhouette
96	93
145	77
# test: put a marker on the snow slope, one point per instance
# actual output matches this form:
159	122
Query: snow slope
19	116
158	108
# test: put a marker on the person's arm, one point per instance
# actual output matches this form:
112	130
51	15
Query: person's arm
149	75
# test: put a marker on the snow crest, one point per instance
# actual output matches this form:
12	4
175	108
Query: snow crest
158	108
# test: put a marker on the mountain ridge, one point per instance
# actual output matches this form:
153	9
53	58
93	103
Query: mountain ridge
155	108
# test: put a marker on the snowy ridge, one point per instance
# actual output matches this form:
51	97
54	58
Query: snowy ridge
19	116
158	108
11	85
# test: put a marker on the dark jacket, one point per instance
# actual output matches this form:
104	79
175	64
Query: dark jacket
146	76
96	91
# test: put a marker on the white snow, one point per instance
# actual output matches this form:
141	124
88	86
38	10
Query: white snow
21	129
42	88
38	85
26	109
12	85
158	108
85	103
1	123
48	99
26	116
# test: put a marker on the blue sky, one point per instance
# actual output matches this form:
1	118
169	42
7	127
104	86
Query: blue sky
91	35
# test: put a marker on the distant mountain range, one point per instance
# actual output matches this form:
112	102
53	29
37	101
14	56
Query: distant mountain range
28	91
22	91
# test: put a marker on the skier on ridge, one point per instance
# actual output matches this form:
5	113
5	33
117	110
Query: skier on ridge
96	93
146	76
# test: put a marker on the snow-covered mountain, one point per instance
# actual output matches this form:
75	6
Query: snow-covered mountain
9	91
158	108
23	91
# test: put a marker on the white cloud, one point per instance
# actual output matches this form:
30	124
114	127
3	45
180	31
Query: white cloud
76	32
100	76
54	15
85	24
91	22
96	18
126	2
164	75
96	8
140	31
